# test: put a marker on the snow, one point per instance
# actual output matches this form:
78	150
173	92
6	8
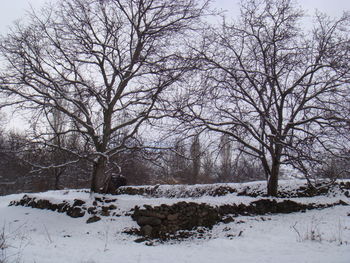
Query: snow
40	236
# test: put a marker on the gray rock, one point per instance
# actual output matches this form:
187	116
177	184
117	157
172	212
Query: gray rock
93	219
105	213
146	230
145	220
43	204
140	240
153	214
112	207
78	202
75	212
173	217
228	219
92	210
62	207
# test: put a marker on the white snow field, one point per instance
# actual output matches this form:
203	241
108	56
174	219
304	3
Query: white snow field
39	236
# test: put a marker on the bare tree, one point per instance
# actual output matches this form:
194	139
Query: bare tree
195	152
225	151
270	85
179	162
101	64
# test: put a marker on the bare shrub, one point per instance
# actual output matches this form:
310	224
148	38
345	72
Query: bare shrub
9	251
312	232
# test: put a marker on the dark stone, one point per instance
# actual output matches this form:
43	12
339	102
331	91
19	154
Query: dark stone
173	217
75	212
105	208
116	214
54	207
145	220
228	209
264	206
288	206
110	200
152	213
93	219
227	220
105	213
92	210
131	231
78	202
43	204
341	202
146	231
25	200
140	240
32	203
62	207
112	207
98	199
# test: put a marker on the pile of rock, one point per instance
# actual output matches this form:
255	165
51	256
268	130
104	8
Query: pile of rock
165	220
270	206
75	209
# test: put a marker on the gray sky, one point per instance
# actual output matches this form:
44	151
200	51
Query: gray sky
331	7
15	9
12	10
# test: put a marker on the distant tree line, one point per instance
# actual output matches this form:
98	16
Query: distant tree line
26	167
106	81
29	167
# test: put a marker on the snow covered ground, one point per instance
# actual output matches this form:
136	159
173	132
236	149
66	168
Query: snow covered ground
34	235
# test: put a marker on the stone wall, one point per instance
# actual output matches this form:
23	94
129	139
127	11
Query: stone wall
186	191
78	208
163	221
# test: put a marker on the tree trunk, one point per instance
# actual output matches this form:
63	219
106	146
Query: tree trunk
272	183
57	175
195	174
98	175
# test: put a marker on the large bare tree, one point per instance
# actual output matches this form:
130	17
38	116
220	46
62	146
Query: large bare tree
271	85
101	64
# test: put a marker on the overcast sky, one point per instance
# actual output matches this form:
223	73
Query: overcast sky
14	9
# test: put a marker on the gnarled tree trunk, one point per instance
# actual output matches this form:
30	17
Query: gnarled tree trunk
98	175
272	181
